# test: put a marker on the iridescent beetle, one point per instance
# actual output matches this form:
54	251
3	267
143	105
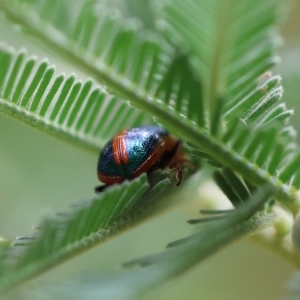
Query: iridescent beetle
138	150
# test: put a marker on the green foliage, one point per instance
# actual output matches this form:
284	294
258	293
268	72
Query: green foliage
61	105
85	225
203	72
92	36
120	77
158	268
219	45
67	233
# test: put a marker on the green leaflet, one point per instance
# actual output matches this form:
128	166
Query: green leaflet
69	232
231	70
79	112
114	47
209	84
229	43
158	268
88	223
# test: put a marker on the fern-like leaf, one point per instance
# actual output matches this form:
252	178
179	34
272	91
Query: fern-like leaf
159	268
140	84
227	48
61	105
85	225
115	52
116	49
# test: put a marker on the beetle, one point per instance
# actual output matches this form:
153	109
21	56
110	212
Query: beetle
138	150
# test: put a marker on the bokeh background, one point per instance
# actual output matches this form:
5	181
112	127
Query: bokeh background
40	174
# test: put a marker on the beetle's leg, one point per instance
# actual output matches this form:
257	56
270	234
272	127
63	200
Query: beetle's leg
178	175
100	188
176	166
177	158
170	158
180	158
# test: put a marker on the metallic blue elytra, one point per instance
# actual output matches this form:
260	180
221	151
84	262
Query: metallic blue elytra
135	151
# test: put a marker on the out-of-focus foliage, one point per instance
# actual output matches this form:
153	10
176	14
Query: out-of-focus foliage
205	78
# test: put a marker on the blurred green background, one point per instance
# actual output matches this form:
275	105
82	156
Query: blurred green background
39	175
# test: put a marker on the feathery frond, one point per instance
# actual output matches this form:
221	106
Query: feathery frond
115	48
186	128
204	75
77	111
118	53
85	225
229	43
159	268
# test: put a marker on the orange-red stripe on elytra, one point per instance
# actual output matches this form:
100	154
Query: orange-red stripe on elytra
110	179
170	142
119	148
